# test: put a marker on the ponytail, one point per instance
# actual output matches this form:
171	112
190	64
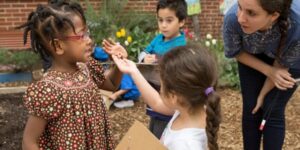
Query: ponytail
283	23
283	8
213	120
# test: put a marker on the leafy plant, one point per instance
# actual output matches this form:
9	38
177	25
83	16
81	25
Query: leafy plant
114	15
140	40
228	67
104	21
21	60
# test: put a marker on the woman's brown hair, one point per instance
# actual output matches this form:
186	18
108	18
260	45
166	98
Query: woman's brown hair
283	8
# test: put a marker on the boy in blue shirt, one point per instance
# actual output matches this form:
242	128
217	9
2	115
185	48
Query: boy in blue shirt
127	92
171	17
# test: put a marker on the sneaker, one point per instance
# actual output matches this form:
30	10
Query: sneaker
124	104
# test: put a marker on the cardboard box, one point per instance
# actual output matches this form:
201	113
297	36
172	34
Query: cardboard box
105	95
139	138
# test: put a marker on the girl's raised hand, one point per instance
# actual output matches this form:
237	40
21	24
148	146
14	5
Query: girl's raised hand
114	49
125	65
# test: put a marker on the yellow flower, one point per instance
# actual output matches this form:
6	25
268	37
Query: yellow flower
123	32
129	39
118	34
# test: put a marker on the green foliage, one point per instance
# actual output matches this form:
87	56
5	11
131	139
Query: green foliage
22	60
140	40
113	16
228	69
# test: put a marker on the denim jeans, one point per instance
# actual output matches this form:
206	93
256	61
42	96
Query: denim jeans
274	131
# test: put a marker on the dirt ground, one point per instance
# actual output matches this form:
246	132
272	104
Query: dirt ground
13	118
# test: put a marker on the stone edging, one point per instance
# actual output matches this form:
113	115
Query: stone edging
12	90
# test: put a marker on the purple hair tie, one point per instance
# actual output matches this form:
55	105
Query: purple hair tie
209	90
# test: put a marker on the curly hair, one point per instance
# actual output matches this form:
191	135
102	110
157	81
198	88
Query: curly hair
48	22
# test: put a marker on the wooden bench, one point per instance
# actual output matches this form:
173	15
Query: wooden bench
13	40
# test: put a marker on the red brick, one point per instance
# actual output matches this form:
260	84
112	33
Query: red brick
18	5
4	5
210	19
19	14
27	10
13	19
3	28
6	24
12	10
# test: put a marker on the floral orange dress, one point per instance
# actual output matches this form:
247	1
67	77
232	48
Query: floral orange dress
73	107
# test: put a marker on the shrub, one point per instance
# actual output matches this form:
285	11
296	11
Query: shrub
21	60
114	16
228	69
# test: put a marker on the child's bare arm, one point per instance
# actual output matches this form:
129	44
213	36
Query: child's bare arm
114	76
117	94
112	79
148	93
35	126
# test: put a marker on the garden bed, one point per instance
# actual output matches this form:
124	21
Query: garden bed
13	117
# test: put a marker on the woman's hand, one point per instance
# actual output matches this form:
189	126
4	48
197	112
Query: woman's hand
125	65
259	103
281	78
114	49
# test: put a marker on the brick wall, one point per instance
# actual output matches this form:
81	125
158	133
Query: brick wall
14	12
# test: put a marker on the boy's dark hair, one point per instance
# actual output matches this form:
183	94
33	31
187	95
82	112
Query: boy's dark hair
48	22
179	6
187	71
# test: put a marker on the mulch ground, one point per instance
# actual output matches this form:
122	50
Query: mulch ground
13	118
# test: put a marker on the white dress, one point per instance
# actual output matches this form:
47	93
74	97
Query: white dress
184	139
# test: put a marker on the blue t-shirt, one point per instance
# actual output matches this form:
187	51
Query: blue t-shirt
100	54
160	47
267	42
127	84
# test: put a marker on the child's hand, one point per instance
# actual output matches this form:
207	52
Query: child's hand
114	49
125	65
150	59
259	103
112	97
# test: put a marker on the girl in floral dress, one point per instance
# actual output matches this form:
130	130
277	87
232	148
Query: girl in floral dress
65	107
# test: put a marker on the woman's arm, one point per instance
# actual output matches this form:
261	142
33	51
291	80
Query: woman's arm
35	126
268	86
279	75
253	62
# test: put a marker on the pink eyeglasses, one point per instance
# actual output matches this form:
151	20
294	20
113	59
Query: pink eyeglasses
84	36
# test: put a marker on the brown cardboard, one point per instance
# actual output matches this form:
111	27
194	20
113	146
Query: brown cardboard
105	97
150	73
139	138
